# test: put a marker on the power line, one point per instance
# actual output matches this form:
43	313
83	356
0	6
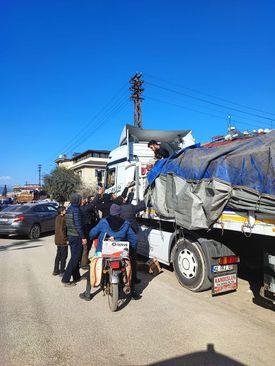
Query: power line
93	126
200	112
209	102
103	110
114	111
210	95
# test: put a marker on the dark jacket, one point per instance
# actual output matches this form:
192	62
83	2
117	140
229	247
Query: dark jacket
73	221
129	211
103	203
88	215
122	232
60	235
161	153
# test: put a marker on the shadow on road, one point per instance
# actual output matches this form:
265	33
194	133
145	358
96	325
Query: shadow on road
203	358
19	245
144	275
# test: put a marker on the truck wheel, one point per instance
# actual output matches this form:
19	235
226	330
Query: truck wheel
190	266
35	232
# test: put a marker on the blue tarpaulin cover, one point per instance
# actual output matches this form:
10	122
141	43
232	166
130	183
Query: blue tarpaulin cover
202	180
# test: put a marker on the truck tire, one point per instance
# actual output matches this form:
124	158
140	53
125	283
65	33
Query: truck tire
35	232
190	266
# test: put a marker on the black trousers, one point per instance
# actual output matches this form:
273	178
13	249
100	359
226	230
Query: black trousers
60	258
72	269
86	248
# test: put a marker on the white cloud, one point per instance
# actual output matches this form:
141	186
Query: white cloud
5	177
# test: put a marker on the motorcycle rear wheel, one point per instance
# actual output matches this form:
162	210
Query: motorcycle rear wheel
113	296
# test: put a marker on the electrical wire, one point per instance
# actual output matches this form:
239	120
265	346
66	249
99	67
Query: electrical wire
93	126
200	112
209	102
209	95
103	110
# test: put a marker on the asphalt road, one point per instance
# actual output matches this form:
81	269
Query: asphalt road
44	323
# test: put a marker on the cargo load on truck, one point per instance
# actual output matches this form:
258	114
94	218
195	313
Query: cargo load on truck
194	186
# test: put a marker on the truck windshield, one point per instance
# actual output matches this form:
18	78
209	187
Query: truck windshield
110	177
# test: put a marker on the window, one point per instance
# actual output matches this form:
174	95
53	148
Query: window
51	208
110	177
96	155
39	208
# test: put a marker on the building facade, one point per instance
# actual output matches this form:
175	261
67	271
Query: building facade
89	165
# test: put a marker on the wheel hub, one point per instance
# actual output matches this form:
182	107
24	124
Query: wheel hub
187	263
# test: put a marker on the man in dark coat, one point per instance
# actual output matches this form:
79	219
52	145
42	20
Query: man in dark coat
159	151
89	219
102	202
76	239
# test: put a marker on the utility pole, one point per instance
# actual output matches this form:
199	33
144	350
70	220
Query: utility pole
136	89
39	174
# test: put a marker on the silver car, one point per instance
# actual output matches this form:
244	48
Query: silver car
31	219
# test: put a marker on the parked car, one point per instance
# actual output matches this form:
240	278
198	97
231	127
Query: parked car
5	202
31	219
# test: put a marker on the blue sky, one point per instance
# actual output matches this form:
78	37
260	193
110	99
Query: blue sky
63	62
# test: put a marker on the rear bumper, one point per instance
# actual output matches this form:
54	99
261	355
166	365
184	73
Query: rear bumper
14	230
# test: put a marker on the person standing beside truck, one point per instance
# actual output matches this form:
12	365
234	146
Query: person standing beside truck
76	239
89	220
102	202
159	151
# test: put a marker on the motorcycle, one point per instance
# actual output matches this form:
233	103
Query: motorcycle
114	274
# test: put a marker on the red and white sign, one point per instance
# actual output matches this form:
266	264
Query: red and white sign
224	283
115	249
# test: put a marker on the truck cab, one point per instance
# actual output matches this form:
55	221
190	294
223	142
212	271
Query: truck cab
129	161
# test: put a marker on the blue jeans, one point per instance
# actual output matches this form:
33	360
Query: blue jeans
72	269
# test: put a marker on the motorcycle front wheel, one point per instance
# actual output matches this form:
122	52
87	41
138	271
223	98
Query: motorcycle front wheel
113	296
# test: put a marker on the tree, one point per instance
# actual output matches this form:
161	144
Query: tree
87	190
61	183
5	191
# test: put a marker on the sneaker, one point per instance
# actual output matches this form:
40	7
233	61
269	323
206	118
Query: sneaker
55	273
69	284
135	295
78	280
85	296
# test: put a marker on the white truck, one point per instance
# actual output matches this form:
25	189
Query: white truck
201	258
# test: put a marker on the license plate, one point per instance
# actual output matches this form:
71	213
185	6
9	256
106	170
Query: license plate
228	267
224	283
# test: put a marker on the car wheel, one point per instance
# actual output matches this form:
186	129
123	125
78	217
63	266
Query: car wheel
35	232
190	266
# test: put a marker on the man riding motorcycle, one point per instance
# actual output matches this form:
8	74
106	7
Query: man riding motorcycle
117	229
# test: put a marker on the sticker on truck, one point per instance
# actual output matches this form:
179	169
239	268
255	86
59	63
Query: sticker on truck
224	283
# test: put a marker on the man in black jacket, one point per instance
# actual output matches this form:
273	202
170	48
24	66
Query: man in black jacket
159	151
89	220
76	239
102	202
